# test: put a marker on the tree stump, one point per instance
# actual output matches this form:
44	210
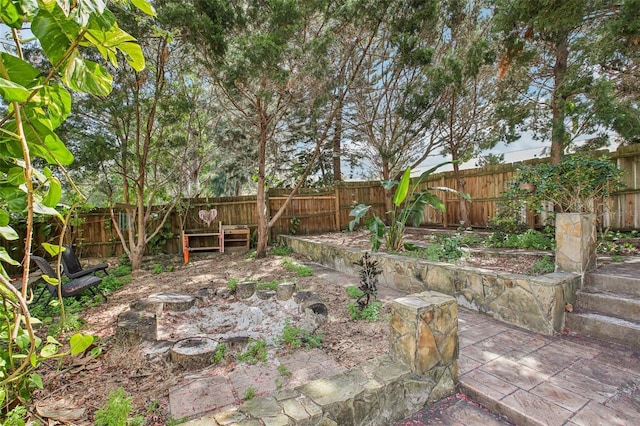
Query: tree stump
193	352
245	289
284	291
174	302
135	326
265	294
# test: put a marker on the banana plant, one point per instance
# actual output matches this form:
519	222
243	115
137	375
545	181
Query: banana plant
407	207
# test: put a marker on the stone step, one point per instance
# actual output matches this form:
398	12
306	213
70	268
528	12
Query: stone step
487	399
610	304
614	281
605	327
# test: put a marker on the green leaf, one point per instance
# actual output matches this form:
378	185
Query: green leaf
144	6
36	380
15	176
8	233
358	212
133	54
40	208
50	280
19	71
80	343
54	194
57	100
9	14
403	188
4	217
55	32
87	76
52	249
4	257
51	339
49	350
13	92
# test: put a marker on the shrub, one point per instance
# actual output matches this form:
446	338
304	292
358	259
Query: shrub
371	313
354	292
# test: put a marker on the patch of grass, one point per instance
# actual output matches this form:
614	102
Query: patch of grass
281	250
297	338
545	265
120	271
370	313
267	285
116	411
256	351
232	285
250	255
617	258
157	269
354	292
219	354
300	270
284	371
250	393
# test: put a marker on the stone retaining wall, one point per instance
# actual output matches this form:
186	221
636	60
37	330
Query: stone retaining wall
421	368
536	303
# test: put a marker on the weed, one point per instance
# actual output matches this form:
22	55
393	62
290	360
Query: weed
174	422
617	258
171	268
120	271
370	313
284	371
354	292
157	269
543	266
219	354
256	351
267	285
281	250
250	393
250	255
116	411
232	285
300	270
296	338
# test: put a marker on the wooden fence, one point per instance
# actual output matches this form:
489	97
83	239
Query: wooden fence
327	209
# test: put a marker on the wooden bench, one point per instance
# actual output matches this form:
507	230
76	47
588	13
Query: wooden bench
223	237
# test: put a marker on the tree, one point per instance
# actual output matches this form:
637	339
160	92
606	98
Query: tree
550	55
271	60
34	104
153	137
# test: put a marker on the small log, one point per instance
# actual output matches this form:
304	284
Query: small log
135	326
193	352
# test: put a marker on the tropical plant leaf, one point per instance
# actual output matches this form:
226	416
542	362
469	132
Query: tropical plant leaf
87	76
403	188
4	257
13	92
8	233
54	193
80	343
52	249
19	71
144	6
55	32
4	217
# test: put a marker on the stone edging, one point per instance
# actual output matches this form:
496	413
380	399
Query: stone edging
536	303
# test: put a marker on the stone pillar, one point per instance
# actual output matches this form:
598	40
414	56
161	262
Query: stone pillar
575	242
424	332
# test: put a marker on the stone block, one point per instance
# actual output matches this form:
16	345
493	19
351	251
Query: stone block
575	242
424	331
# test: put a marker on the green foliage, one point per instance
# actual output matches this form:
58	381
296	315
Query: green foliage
219	354
300	270
445	249
529	239
284	371
157	244
294	224
250	255
250	393
257	350
157	269
354	292
296	338
267	285
408	205
545	265
281	250
573	185
370	313
121	270
116	411
232	285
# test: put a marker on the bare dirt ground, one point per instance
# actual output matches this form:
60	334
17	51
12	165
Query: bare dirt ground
82	384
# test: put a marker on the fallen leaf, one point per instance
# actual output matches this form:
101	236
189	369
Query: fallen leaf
62	410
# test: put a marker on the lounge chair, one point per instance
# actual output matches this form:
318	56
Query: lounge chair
71	288
72	267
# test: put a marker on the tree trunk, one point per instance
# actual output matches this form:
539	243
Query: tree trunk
261	202
337	152
461	183
558	100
